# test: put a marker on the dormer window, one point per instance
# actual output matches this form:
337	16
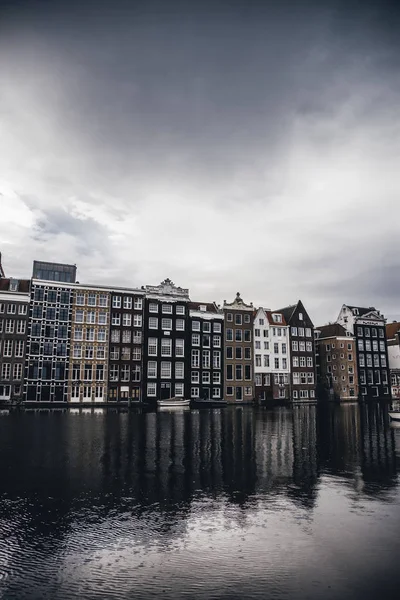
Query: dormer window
203	307
355	310
277	318
13	286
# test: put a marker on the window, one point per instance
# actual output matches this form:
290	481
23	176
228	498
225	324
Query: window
229	372
115	336
21	327
368	345
206	327
309	361
90	334
248	391
238	319
247	318
276	362
216	377
179	389
258	360
100	352
361	345
137	337
216	359
302	361
166	309
362	360
216	392
89	352
309	346
194	392
266	360
127	302
229	317
90	317
152	347
294	330
152	368
295	346
229	390
17	372
103	300
180	325
302	346
229	352
138	303
217	341
258	379
257	333
151	389
87	372
195	359
166	324
153	307
116	302
7	348
276	348
266	345
126	353
238	335
153	323
195	377
247	353
127	319
295	361
284	363
10	326
383	360
301	331
166	370
6	371
195	339
206	359
238	353
166	347
381	333
229	335
125	373
126	337
247	335
217	328
137	320
19	349
179	370
284	348
205	378
180	310
179	347
22	309
238	372
136	353
196	326
258	345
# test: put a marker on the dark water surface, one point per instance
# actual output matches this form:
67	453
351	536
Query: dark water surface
228	503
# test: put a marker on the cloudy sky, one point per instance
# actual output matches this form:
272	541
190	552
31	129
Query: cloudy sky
229	145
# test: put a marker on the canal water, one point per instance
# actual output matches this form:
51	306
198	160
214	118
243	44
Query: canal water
235	503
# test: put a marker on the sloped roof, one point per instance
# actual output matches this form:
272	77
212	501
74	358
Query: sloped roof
210	306
361	310
392	329
332	330
23	285
287	311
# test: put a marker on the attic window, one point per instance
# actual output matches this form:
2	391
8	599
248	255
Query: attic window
277	318
301	316
203	307
13	286
356	311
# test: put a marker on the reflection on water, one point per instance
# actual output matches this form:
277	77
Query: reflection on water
198	504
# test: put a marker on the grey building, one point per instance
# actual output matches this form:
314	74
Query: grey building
14	303
50	271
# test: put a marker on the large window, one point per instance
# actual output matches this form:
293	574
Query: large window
152	368
165	370
179	370
195	359
206	359
180	347
216	359
152	347
151	389
166	347
153	323
166	324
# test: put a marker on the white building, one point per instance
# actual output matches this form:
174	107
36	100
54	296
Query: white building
271	356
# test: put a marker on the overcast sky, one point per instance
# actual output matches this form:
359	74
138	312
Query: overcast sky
229	145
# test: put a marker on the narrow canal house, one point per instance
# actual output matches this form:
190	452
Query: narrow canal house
368	327
271	356
302	351
166	363
393	348
337	377
206	330
49	333
126	345
238	350
89	344
14	303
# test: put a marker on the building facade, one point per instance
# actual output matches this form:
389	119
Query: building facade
238	350
393	348
48	342
368	327
271	356
14	303
89	345
337	377
166	363
206	330
302	351
126	346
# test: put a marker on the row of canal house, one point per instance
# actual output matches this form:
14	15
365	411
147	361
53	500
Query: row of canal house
62	341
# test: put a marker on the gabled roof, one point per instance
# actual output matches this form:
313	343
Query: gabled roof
287	311
332	330
392	329
361	310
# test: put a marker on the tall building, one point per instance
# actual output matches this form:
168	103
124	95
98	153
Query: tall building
302	351
14	303
89	345
368	327
238	347
126	346
166	363
337	376
393	348
206	330
271	356
48	343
